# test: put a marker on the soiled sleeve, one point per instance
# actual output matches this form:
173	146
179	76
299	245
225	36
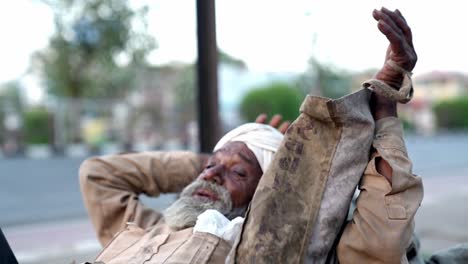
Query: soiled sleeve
383	222
111	185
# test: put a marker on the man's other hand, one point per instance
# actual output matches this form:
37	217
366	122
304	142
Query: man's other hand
274	122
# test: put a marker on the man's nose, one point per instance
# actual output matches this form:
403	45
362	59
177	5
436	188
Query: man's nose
214	174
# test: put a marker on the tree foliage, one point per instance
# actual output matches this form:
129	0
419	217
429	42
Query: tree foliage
10	102
37	126
274	98
95	49
10	97
185	91
452	114
227	59
324	80
186	86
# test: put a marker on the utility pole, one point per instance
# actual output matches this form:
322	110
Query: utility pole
207	72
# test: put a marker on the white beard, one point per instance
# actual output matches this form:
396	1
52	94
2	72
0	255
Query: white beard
183	213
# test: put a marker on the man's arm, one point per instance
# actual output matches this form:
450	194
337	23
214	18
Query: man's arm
111	185
401	51
383	222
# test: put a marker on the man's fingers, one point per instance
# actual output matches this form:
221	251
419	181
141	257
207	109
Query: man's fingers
400	14
401	21
398	23
261	119
284	127
276	120
385	15
394	38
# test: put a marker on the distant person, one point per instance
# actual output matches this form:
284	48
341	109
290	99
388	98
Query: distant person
188	231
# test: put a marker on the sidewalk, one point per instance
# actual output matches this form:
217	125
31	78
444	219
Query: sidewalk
442	217
53	242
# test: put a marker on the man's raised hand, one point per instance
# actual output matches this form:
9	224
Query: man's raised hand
400	50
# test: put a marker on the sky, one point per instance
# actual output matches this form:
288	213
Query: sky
270	36
283	35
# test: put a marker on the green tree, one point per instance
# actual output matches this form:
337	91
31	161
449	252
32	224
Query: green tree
324	80
10	97
452	114
97	47
185	94
227	59
274	98
10	103
37	126
82	58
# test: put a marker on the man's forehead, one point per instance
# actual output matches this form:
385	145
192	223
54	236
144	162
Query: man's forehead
237	148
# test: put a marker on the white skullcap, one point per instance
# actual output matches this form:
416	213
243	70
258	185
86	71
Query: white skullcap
263	140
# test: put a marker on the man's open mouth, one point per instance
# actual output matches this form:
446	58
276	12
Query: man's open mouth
206	193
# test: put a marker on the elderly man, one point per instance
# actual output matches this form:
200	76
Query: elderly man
197	228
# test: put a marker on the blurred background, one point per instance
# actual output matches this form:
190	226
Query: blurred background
93	77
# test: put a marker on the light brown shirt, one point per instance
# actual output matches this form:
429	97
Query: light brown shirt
379	232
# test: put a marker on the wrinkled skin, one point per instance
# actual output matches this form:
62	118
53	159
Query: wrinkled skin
236	168
401	50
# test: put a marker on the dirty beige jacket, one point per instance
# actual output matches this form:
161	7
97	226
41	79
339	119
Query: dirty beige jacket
383	223
380	230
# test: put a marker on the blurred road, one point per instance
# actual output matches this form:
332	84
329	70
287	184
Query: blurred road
34	191
438	156
42	214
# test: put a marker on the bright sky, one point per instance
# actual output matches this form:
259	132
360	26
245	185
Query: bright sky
278	36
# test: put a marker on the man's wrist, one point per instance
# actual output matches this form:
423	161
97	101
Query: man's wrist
390	76
382	107
385	113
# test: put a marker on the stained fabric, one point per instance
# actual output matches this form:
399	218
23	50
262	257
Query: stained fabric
307	189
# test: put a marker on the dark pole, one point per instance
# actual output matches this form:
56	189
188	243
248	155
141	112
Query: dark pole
208	119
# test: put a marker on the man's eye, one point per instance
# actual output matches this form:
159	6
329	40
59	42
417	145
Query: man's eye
209	166
241	173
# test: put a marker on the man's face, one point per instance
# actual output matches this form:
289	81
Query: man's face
235	168
227	185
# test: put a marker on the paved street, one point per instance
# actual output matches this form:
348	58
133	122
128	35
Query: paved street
33	191
42	212
39	190
43	216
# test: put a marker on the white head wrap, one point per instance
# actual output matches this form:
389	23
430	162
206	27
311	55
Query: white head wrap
263	140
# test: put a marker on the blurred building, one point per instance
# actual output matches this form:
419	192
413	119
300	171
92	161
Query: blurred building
436	86
152	118
429	88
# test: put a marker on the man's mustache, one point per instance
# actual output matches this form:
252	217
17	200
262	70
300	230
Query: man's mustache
185	210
